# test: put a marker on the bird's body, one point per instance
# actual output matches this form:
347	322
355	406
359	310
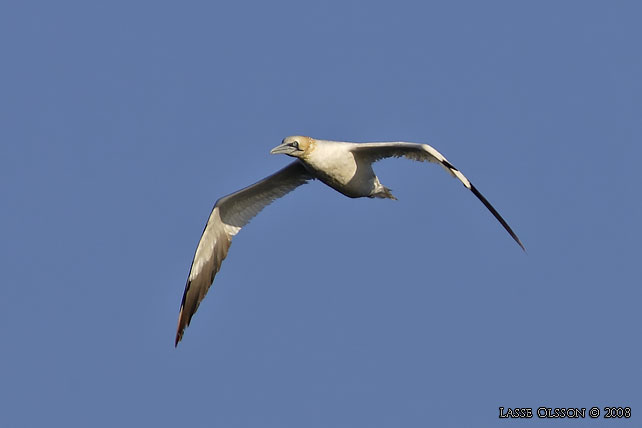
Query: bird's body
336	165
344	166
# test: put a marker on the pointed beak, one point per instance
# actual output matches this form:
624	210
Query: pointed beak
282	148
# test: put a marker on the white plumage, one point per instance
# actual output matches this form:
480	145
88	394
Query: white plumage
346	167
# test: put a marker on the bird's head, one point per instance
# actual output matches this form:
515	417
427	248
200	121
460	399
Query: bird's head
296	146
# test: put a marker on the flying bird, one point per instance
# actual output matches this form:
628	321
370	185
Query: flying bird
344	166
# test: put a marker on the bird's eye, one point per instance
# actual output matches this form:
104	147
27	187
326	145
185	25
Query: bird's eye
295	144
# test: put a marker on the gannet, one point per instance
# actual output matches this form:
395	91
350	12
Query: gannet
344	166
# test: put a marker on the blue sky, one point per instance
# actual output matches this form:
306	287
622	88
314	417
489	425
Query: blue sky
123	122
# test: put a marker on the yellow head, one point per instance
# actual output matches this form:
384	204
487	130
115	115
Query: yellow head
296	146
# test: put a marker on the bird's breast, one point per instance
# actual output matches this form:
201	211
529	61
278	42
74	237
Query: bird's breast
338	168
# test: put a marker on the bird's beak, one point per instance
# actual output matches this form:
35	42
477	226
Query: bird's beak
283	148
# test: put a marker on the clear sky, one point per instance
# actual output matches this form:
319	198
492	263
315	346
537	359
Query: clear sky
123	122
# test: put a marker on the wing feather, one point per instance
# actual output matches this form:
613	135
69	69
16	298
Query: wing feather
423	152
229	215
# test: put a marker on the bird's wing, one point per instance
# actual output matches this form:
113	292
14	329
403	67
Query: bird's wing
229	215
423	152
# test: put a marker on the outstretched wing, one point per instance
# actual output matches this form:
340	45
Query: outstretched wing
423	152
229	215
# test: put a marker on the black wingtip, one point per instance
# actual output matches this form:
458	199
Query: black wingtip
497	216
179	336
181	326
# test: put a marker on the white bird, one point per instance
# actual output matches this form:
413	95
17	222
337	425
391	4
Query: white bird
344	166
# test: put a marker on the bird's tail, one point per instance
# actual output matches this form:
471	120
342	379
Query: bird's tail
381	191
384	192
